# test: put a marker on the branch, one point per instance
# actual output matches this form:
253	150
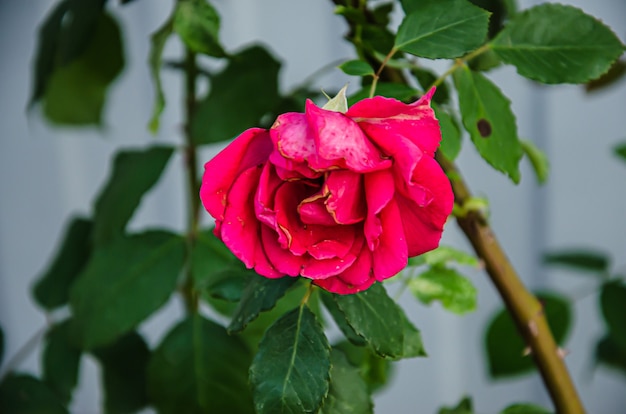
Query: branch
526	310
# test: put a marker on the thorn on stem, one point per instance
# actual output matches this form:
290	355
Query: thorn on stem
562	353
532	327
527	351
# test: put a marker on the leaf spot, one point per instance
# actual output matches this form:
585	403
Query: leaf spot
484	127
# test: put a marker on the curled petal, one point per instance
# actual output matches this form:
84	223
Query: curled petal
415	122
240	231
341	143
283	260
379	190
313	210
323	268
391	255
265	194
424	223
346	200
249	149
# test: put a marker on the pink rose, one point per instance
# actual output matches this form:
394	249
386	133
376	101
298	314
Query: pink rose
342	199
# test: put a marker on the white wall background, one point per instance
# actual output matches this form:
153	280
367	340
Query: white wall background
47	175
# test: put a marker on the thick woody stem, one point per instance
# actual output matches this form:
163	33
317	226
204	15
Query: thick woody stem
525	309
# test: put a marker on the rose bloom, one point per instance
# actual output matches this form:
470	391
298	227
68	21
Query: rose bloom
343	199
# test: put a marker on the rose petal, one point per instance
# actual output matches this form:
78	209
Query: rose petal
336	285
313	210
265	193
391	255
248	149
379	190
241	231
323	268
283	260
360	272
416	122
423	224
341	143
346	201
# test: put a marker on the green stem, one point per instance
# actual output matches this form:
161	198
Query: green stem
191	167
526	310
460	62
380	70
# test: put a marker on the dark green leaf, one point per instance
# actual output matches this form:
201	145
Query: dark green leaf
620	151
351	14
348	391
538	160
398	91
463	407
60	362
47	45
199	368
428	29
290	372
230	284
209	257
584	260
123	283
356	68
52	288
375	316
157	44
381	13
376	39
198	25
616	73
261	294
504	345
554	43
488	118
609	353
450	144
484	61
613	305
124	364
375	370
412	345
24	394
134	173
455	292
426	79
501	11
340	320
75	93
521	408
239	97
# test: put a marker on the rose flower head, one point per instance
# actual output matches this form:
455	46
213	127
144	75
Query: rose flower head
343	199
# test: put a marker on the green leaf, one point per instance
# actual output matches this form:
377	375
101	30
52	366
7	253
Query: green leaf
122	284
239	97
620	151
583	260
412	345
24	394
375	317
444	255
488	118
356	68
339	318
504	345
501	11
522	408
198	24
199	368
60	361
538	160
47	49
123	365
455	292
348	391
609	353
439	29
613	305
398	91
450	144
290	372
209	258
75	93
134	173
375	370
52	288
261	294
554	43
463	407
157	44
